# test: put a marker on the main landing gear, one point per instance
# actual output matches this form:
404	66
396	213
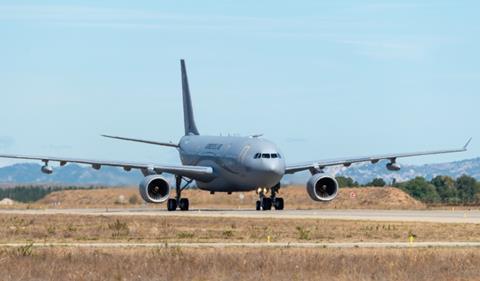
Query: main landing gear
178	201
265	203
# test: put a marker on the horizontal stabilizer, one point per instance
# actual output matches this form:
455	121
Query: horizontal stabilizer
142	141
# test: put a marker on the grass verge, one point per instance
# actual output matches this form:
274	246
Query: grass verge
79	228
240	264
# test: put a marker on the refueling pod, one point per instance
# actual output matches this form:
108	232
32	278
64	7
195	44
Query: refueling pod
393	166
47	169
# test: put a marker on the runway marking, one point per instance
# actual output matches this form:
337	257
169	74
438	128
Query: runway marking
379	245
435	216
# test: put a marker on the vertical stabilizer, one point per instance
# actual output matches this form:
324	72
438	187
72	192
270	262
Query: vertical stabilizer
190	127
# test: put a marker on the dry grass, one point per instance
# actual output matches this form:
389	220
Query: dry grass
295	198
78	228
240	264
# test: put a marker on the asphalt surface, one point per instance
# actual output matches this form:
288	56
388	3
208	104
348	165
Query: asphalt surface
383	245
438	216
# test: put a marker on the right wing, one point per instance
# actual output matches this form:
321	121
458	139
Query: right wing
192	172
347	162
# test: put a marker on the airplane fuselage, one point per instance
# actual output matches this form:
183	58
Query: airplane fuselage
239	163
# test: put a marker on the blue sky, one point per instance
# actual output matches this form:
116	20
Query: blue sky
321	79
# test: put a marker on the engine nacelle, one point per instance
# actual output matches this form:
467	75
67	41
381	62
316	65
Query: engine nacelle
393	167
321	187
154	189
47	169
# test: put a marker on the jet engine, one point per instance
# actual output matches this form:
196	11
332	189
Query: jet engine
393	166
154	189
321	187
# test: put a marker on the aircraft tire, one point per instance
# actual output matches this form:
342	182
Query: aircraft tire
184	204
259	205
171	204
266	204
278	204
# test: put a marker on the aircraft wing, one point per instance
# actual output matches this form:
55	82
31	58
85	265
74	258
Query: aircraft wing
193	172
319	165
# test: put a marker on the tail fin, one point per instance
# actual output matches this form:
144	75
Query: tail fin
190	127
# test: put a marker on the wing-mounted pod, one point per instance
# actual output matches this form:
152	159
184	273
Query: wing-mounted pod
321	187
46	169
154	189
393	165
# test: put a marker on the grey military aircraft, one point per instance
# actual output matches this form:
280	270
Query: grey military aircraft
227	164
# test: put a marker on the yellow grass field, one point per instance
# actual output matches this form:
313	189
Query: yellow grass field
239	264
172	263
81	228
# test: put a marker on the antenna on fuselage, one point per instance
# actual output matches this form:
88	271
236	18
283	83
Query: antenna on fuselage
189	120
255	136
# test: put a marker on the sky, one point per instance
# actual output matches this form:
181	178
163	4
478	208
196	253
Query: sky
322	79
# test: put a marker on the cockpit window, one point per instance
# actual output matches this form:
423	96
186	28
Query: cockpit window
267	155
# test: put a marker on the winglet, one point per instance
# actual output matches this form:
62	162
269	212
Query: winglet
465	147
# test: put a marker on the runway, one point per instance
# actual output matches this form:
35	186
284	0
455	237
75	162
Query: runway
437	216
378	245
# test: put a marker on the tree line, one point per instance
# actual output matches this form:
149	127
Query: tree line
440	189
28	194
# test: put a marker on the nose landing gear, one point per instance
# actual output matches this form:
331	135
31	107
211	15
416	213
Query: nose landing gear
265	203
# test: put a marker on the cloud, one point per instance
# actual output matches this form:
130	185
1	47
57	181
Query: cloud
127	18
95	16
387	49
336	30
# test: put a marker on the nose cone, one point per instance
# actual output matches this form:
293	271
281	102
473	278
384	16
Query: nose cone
275	169
270	173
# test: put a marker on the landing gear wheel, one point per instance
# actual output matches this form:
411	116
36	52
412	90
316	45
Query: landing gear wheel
259	205
278	203
183	204
171	205
266	204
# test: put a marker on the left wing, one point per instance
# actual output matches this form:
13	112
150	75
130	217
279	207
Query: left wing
193	172
320	165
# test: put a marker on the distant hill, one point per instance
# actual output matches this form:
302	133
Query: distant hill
29	173
367	172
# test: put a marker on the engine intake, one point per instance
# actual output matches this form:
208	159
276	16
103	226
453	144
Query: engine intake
154	189
321	187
